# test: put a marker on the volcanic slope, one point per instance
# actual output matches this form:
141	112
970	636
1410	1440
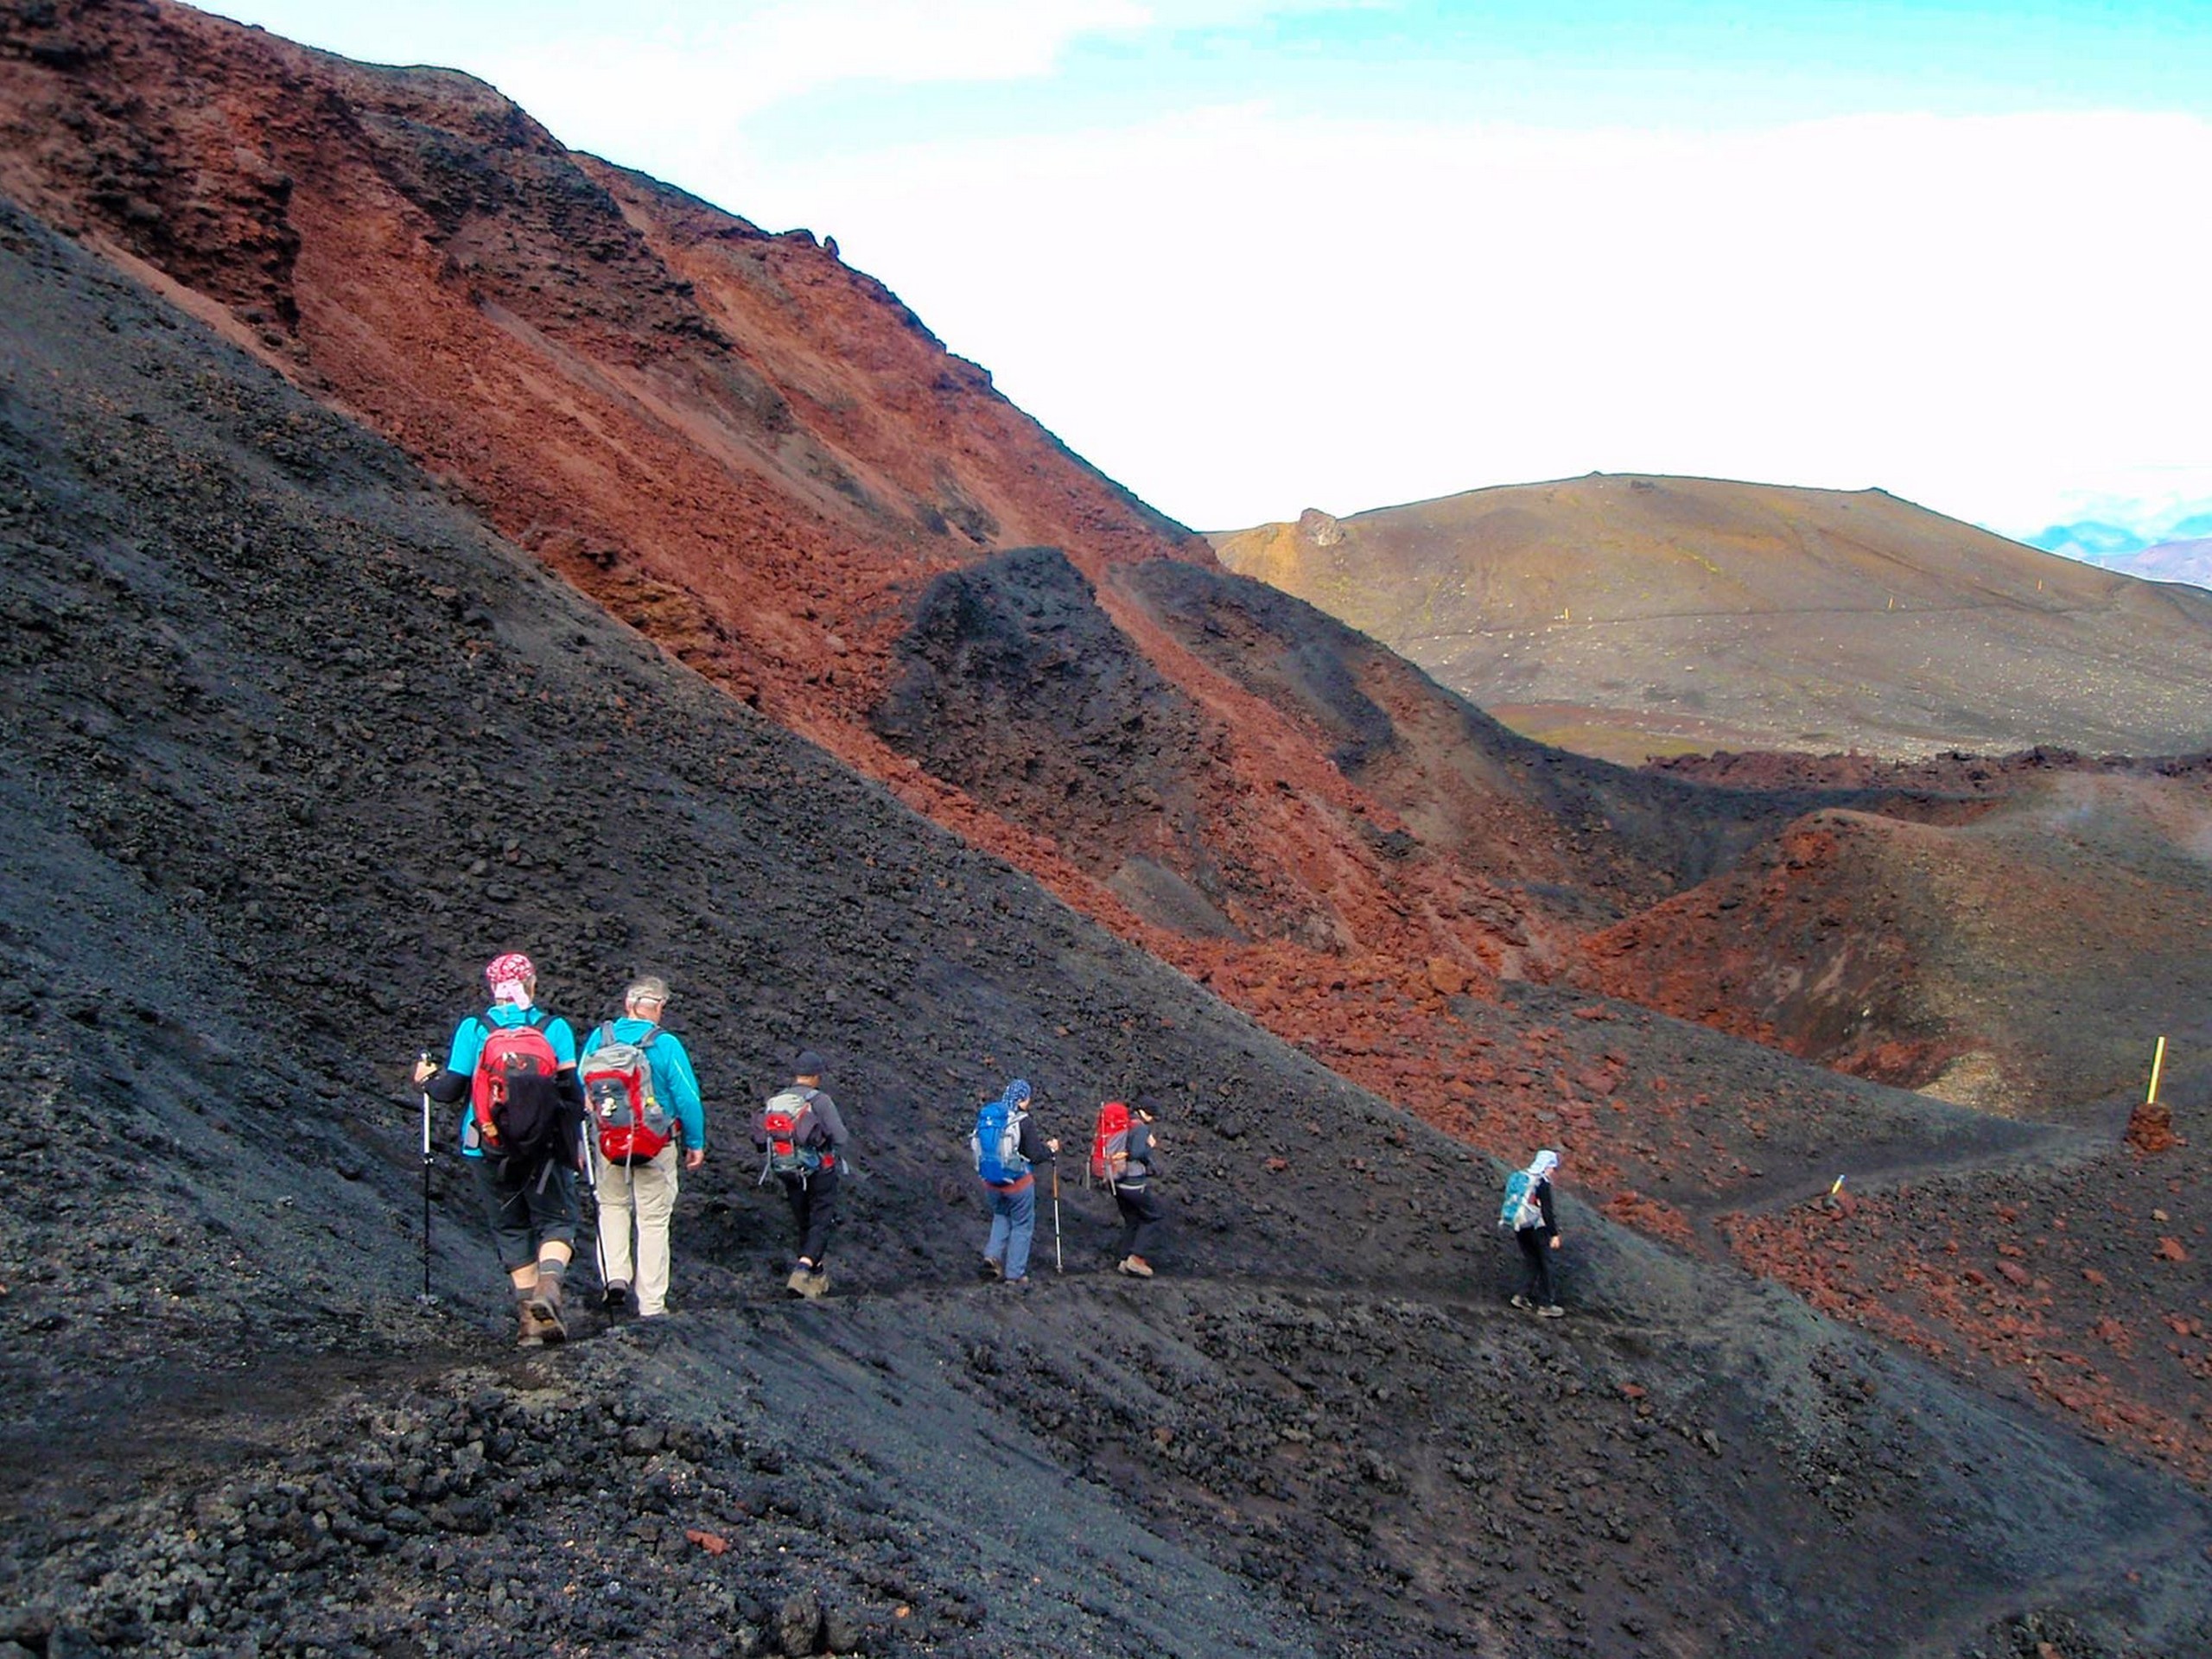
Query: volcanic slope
1628	617
295	743
2023	957
760	459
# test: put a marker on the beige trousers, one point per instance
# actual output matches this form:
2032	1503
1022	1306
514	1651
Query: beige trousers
644	1194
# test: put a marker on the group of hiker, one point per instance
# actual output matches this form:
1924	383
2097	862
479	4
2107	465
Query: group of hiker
622	1113
528	1088
1007	1151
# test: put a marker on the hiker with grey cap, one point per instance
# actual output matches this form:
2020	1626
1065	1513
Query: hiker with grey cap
803	1142
1142	1215
647	1124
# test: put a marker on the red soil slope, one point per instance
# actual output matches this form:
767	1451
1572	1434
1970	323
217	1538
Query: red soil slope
2086	1295
754	453
2020	953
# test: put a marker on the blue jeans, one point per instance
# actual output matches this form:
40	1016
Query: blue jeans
1013	1223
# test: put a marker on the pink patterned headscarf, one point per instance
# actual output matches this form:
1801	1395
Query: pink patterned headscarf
510	976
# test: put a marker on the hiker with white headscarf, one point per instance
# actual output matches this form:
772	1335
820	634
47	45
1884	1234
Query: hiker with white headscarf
1537	1234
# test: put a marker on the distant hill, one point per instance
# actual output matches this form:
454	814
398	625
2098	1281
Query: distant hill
2117	545
2188	561
1627	617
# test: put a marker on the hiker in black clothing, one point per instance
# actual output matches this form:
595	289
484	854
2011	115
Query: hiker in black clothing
1141	1214
803	1140
1539	1239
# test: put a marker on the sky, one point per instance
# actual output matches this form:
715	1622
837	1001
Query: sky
1250	256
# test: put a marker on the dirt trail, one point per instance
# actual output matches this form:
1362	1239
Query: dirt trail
2048	1148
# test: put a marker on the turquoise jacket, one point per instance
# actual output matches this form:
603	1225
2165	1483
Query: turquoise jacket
674	1084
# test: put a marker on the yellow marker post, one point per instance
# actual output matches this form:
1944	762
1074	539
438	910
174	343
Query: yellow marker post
2157	1064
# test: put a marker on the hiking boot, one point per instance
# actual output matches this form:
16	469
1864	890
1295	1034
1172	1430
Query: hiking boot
992	1269
1519	1300
801	1277
817	1285
1551	1311
543	1311
1136	1267
1022	1283
527	1334
616	1298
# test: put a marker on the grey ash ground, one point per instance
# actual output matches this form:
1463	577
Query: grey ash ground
293	745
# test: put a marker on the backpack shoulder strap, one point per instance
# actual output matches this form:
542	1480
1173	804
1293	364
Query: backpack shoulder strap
487	1028
606	1033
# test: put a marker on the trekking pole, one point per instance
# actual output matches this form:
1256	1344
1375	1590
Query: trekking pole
598	1214
1058	1267
426	1298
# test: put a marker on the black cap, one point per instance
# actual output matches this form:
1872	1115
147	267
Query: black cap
808	1064
1150	1105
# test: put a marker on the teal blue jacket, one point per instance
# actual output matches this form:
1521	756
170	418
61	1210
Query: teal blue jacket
674	1084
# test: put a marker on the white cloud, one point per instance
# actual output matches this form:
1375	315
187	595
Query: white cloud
669	87
719	67
1246	311
1249	310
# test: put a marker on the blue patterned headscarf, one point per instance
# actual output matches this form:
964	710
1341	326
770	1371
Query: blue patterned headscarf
1015	1097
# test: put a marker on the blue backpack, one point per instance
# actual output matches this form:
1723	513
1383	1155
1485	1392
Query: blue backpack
996	1143
1520	1208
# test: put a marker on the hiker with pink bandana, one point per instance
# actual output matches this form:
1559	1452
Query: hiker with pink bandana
515	1066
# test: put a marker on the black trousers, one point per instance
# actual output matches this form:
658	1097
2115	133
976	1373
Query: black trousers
814	1210
1141	1216
1536	1251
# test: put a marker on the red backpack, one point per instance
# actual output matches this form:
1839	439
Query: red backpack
632	1125
513	1096
790	1137
1110	1143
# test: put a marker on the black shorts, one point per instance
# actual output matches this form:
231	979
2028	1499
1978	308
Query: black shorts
527	1208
